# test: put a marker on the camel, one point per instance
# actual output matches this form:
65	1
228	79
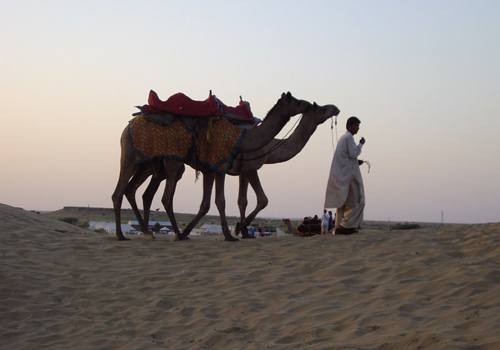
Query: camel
246	166
288	224
305	229
277	151
254	139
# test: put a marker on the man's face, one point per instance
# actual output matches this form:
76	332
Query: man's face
353	128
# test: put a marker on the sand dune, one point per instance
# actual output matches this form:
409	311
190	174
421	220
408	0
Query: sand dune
63	287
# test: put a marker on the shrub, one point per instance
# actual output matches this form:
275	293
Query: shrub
72	221
84	224
405	226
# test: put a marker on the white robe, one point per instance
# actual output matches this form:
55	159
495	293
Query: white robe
344	169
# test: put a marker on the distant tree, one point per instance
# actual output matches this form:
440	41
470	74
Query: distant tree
72	221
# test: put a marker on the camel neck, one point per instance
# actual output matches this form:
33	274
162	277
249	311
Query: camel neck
261	135
292	145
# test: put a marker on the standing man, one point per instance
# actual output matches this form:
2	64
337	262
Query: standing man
345	189
331	222
324	223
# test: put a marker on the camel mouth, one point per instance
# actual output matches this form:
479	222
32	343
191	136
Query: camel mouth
335	109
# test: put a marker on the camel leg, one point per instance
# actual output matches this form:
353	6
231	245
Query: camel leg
262	200
137	180
208	184
242	202
127	169
220	201
149	193
126	172
174	170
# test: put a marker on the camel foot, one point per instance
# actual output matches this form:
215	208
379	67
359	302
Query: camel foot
181	237
244	230
231	239
123	238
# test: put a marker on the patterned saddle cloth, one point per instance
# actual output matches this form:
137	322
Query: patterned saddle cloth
211	144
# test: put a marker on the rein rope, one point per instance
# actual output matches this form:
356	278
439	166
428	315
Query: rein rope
336	136
369	165
278	144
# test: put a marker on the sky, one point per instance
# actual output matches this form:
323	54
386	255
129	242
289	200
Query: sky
422	76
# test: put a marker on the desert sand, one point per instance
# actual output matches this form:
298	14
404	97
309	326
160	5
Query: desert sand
64	287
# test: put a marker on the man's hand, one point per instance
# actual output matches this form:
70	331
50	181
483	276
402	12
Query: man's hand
362	141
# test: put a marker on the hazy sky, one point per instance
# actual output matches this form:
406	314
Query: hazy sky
423	77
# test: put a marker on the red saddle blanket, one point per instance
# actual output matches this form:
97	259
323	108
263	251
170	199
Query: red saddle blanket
181	104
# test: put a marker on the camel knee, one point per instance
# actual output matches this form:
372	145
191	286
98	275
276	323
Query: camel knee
221	204
262	203
167	203
130	196
242	202
117	199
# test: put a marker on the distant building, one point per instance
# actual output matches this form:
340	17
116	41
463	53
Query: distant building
210	230
130	228
269	231
165	226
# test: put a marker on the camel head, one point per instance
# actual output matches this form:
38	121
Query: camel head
321	113
289	105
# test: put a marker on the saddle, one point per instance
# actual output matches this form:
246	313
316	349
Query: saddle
204	132
181	105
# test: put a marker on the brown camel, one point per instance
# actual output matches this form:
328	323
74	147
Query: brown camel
277	151
286	107
246	165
